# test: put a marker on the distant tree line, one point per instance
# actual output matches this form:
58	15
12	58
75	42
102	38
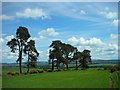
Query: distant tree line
59	52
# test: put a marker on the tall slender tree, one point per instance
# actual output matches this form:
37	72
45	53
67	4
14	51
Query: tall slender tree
56	53
18	43
32	53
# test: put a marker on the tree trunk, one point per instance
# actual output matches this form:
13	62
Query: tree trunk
52	64
67	66
76	65
28	68
20	61
28	64
58	64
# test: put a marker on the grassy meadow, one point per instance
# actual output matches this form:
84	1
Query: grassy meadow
62	79
90	78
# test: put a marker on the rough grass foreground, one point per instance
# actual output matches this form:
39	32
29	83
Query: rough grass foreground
63	79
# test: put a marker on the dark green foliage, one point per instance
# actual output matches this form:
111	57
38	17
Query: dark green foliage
32	54
61	53
22	34
13	45
66	53
83	58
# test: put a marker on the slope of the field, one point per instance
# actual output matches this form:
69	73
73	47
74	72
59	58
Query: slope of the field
62	79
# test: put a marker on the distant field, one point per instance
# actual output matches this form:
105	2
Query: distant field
95	64
62	79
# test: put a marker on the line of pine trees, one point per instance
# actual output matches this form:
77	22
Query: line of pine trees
66	53
59	52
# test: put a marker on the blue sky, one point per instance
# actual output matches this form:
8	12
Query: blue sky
85	25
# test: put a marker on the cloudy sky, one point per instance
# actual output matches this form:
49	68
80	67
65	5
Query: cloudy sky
85	25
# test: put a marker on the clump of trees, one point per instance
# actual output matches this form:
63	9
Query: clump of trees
22	45
59	52
65	53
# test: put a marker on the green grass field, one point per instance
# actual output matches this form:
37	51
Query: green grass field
63	79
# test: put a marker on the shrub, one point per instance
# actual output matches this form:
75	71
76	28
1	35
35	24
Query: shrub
66	69
58	70
25	73
99	69
76	69
115	68
49	70
40	71
108	67
33	71
83	69
45	69
112	68
13	73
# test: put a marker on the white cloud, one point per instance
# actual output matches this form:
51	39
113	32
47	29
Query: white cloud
2	34
1	40
5	17
82	12
106	8
111	15
115	22
32	13
42	37
8	56
48	32
73	40
115	36
8	38
39	38
82	41
98	48
43	55
108	14
113	46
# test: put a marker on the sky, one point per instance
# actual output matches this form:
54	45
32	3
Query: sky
85	25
